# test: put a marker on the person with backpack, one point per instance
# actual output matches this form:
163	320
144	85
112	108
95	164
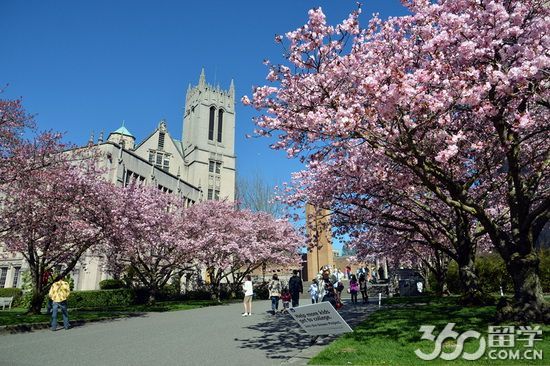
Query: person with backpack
274	288
353	288
296	288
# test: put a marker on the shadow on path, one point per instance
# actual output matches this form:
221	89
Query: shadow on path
281	337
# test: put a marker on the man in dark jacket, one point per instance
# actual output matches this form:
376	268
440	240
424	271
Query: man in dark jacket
295	287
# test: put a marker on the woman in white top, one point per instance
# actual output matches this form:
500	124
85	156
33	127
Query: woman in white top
248	292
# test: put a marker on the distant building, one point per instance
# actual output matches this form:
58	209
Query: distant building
199	167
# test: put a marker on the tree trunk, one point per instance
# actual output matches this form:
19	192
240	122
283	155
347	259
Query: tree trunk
471	292
440	286
153	293
466	251
215	281
37	300
529	304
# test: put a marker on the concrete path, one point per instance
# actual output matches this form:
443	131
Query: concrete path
209	336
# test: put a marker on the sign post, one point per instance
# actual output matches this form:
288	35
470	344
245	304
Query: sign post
320	319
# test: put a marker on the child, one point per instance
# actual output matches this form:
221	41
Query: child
286	297
314	292
353	289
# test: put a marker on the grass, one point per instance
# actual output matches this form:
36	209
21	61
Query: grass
391	335
17	316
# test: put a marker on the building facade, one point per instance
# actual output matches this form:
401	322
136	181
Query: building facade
199	167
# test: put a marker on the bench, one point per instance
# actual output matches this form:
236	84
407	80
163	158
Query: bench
6	301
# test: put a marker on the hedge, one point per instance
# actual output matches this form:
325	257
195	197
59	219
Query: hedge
111	284
101	298
16	293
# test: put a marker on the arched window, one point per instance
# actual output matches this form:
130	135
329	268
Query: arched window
211	124
220	124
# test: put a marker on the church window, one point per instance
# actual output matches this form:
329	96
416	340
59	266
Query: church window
161	141
16	273
214	166
211	124
220	125
166	164
217	195
131	177
159	160
3	275
151	157
210	193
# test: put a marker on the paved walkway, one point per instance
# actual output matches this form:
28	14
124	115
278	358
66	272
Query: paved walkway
209	336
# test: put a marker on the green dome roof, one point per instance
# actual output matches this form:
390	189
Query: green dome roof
124	131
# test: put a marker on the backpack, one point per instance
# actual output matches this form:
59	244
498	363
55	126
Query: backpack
354	286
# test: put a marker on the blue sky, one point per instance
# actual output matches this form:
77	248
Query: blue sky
83	66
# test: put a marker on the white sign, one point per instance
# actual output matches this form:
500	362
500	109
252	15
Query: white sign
320	319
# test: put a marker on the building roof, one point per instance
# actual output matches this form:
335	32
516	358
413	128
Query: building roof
123	131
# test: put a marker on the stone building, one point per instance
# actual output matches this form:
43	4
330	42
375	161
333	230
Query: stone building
198	167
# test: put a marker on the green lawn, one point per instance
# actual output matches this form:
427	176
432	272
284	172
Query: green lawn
391	335
17	316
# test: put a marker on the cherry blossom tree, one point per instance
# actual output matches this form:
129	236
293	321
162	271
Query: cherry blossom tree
232	243
363	203
456	93
13	121
53	215
144	237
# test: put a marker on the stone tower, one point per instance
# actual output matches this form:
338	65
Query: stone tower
319	234
209	139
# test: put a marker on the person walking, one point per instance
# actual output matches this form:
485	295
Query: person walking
353	288
275	293
248	292
296	288
339	287
363	288
314	291
59	292
286	297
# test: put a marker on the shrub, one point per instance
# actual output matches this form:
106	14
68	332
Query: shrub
491	272
231	291
453	278
16	293
111	284
199	294
101	298
261	292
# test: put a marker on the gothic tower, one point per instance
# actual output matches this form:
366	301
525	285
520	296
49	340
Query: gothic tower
209	139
